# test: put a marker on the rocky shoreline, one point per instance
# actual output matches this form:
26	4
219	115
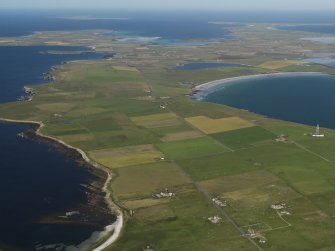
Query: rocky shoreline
98	196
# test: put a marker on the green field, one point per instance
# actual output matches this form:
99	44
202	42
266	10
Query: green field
126	156
244	137
135	181
191	148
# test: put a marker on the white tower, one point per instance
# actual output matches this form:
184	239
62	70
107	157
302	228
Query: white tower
317	132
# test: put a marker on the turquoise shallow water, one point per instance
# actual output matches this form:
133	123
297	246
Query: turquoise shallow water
308	99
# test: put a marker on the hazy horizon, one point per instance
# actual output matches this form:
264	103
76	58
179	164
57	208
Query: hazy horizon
302	5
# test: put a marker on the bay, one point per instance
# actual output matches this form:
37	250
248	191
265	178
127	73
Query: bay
307	99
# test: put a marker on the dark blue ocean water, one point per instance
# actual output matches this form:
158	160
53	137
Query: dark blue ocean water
38	183
168	25
21	65
174	25
303	99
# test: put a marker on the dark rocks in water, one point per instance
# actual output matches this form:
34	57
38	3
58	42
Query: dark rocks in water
109	56
49	76
25	98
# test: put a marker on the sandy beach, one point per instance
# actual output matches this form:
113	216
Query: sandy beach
201	91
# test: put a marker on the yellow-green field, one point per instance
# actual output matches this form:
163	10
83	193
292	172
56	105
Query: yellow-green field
125	68
56	107
157	120
142	203
210	126
137	181
127	156
182	136
274	65
225	184
77	137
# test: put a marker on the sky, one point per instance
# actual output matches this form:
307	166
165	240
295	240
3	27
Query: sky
174	4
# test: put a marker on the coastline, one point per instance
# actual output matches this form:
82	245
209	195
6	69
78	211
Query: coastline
201	91
117	226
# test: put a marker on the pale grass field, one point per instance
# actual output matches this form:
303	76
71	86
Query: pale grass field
56	107
140	182
182	136
125	68
126	156
210	126
148	202
157	120
273	65
77	137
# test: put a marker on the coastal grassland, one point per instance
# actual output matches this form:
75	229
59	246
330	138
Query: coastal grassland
138	182
182	136
161	132
126	156
191	148
189	108
274	65
56	107
211	126
302	135
284	160
293	131
309	67
321	146
230	183
178	225
157	120
77	137
244	137
125	68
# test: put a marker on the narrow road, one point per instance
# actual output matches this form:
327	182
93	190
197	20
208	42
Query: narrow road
220	209
311	152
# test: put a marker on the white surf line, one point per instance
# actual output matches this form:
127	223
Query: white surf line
117	227
118	224
211	86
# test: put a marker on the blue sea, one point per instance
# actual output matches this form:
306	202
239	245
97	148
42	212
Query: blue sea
305	99
315	28
39	185
175	26
22	65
